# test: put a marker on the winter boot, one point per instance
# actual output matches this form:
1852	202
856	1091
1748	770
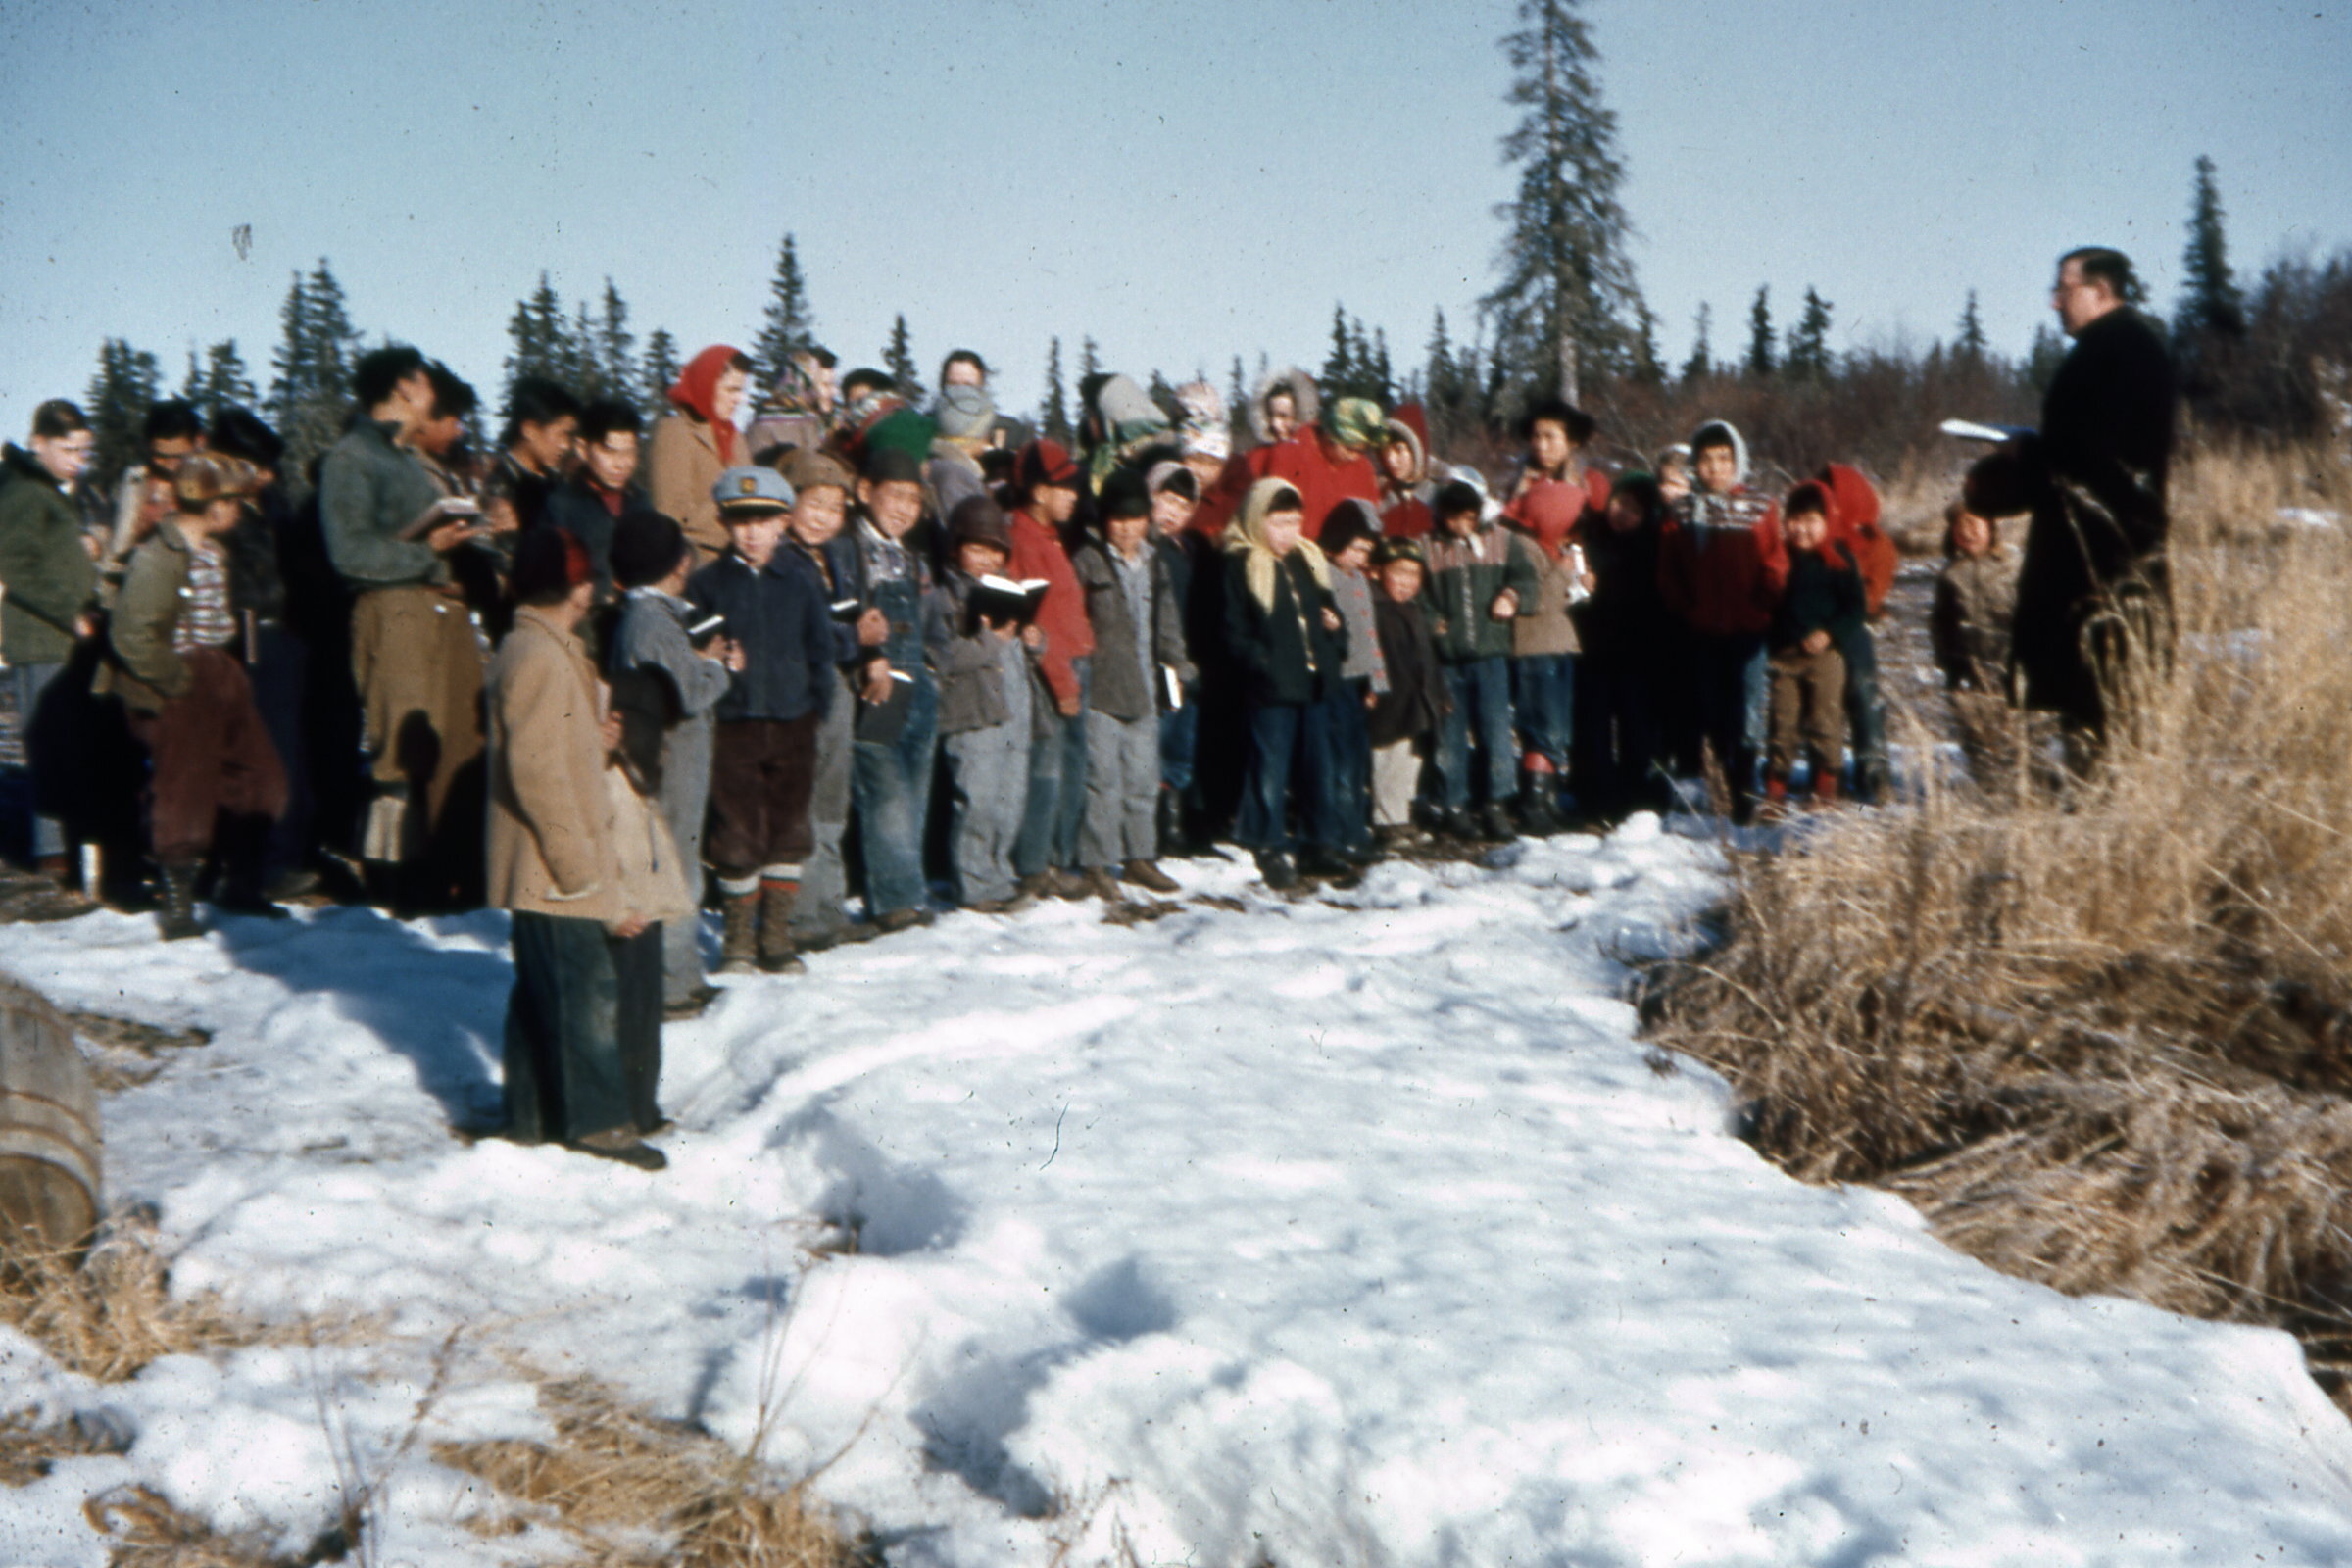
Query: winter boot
244	841
1494	823
739	939
177	919
1776	798
1322	860
1538	818
1275	866
1824	788
1150	878
776	952
1096	882
1170	825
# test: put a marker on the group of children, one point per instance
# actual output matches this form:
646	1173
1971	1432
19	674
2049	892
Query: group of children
906	654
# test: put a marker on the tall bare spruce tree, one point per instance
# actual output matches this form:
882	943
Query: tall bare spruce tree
1567	301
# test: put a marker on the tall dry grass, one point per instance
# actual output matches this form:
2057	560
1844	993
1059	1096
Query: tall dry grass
2100	1034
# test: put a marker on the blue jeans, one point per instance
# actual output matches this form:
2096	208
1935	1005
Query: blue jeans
1286	739
1179	741
1056	784
1481	690
1350	748
584	1039
45	834
892	787
1543	700
1732	691
1865	716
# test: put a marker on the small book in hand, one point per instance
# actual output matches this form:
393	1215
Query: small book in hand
702	631
845	610
1003	600
1970	430
442	513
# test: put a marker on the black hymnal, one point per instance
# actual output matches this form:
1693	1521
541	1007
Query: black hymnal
1003	600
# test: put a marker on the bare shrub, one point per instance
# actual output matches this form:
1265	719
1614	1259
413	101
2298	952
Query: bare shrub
2096	1031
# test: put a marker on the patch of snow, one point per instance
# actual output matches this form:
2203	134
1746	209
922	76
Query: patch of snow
1350	1227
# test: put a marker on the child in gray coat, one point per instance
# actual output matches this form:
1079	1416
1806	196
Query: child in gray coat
986	709
664	690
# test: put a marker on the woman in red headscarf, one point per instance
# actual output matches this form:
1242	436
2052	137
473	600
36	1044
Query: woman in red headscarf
694	446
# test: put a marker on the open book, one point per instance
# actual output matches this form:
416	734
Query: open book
1970	430
1002	599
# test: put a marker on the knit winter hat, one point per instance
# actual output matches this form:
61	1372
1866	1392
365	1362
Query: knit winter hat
1124	495
646	547
977	520
964	413
1169	475
1392	548
1043	462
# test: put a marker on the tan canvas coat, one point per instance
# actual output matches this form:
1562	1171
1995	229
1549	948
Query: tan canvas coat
569	836
681	465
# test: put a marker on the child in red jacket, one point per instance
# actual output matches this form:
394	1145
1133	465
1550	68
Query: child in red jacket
1819	618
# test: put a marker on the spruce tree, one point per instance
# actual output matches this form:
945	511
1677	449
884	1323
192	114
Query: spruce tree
225	382
1236	404
542	341
191	385
788	326
898	359
1339	371
1561	307
1809	345
1090	359
1648	369
1761	358
1971	347
310	393
661	372
2210	304
1701	362
2043	358
1053	413
581	370
1380	375
1439	376
615	346
116	404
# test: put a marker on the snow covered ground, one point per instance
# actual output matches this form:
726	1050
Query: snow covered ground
1341	1231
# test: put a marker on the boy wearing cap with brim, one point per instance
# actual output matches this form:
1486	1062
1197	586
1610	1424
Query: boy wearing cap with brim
989	691
763	753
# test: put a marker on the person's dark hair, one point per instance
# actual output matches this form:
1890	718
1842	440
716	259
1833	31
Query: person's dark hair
379	370
1455	497
996	464
241	433
963	357
1124	496
58	416
549	562
2103	265
822	354
605	415
1182	484
172	419
1560	412
1713	434
1811	497
536	400
453	395
646	547
772	456
1285	499
1642	489
863	377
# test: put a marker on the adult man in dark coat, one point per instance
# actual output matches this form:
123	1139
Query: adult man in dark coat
2093	598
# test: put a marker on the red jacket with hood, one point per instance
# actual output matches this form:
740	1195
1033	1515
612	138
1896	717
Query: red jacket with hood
1551	510
1854	524
1323	473
1721	562
1061	615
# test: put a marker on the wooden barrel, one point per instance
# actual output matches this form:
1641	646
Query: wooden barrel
49	1143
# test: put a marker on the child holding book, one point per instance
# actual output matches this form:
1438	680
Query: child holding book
987	698
1408	714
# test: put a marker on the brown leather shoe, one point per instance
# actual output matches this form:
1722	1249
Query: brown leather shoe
1150	878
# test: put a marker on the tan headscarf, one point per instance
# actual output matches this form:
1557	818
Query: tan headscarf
1248	538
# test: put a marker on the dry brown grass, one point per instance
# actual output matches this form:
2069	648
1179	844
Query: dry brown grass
110	1313
635	1491
2101	1036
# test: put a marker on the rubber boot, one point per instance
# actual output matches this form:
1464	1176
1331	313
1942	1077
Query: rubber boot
1825	789
739	933
1776	797
177	919
777	954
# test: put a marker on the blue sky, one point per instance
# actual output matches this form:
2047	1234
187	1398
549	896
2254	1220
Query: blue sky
1183	182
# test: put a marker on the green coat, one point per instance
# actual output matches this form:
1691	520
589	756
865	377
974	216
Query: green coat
44	565
369	490
145	669
1463	577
